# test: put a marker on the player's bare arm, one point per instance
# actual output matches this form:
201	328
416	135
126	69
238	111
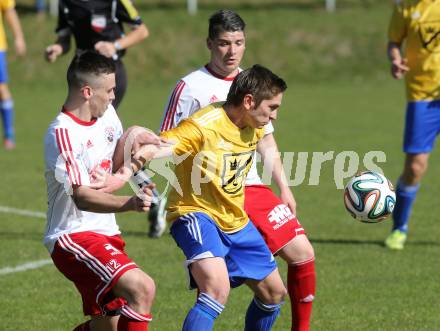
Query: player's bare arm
91	200
268	149
399	65
14	23
132	141
149	152
59	47
135	36
129	143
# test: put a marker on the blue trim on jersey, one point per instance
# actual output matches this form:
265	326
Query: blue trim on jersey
3	68
422	126
245	252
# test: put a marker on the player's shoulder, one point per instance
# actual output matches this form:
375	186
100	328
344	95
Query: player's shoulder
111	113
209	115
60	121
59	132
194	78
7	4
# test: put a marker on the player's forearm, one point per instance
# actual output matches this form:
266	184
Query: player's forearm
95	201
394	52
149	152
14	23
133	37
65	42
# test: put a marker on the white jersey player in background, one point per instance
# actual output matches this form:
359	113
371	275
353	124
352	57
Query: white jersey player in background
81	234
274	217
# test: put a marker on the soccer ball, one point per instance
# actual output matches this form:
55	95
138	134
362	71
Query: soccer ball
369	197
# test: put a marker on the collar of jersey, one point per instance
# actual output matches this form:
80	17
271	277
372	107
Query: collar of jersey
78	120
216	75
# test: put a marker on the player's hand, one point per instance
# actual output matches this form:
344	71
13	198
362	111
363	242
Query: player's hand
108	183
143	136
98	178
52	52
288	199
20	47
105	48
142	200
143	155
399	68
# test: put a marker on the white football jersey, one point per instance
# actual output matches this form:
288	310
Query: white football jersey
195	91
73	149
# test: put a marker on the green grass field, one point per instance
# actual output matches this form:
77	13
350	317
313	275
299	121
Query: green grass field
340	98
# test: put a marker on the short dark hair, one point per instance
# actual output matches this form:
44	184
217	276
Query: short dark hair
88	65
258	81
224	20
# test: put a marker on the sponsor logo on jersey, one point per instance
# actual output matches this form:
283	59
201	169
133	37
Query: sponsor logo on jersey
280	215
235	168
106	165
89	144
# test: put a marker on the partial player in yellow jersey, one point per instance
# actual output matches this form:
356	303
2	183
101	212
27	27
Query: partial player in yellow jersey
416	25
9	14
223	248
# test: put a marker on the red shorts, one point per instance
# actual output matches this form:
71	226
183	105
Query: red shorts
94	263
275	221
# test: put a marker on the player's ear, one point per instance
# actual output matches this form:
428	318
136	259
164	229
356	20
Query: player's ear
248	101
86	92
209	43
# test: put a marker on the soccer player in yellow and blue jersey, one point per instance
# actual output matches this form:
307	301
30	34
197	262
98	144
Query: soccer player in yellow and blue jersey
417	24
7	8
223	248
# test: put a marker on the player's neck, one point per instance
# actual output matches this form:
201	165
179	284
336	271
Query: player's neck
236	115
78	109
220	73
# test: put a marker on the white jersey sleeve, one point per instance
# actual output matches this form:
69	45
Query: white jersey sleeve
68	166
181	105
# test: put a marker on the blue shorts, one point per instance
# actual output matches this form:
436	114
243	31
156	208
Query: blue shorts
422	126
3	68
245	252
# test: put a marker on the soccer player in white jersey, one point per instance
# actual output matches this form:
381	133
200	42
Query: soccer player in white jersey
273	216
81	234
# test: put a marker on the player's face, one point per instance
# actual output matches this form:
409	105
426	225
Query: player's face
103	95
266	111
227	50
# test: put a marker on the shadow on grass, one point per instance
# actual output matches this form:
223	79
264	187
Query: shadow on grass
370	242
